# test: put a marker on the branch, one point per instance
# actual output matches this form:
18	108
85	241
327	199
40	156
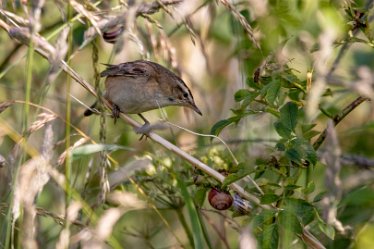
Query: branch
47	50
362	162
339	117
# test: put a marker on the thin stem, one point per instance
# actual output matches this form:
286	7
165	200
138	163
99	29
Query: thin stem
68	161
184	224
338	118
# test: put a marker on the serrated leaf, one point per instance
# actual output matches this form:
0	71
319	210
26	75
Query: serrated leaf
289	221
269	238
288	115
265	217
302	209
269	198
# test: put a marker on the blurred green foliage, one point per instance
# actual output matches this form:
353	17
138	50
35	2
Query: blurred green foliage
254	96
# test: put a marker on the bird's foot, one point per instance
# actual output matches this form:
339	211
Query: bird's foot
115	112
147	128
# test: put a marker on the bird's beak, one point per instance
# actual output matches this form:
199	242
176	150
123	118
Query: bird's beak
195	108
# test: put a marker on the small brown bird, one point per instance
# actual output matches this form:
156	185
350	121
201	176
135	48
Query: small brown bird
139	86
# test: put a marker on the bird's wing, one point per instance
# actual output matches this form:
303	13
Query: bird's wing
130	69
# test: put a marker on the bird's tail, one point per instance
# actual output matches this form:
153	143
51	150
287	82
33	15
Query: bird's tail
90	111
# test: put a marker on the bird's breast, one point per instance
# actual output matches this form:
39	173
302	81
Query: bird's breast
130	95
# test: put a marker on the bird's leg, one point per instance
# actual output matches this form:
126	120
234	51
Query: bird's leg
115	112
145	128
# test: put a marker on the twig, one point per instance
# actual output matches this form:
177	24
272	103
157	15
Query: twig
42	212
354	160
220	234
337	118
360	161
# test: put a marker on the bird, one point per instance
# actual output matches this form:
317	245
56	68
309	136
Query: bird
138	86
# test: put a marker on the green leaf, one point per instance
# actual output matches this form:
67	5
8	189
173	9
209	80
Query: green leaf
282	130
252	84
307	127
244	94
272	91
265	229
280	146
309	188
289	228
269	198
302	209
293	155
260	220
218	127
308	132
328	230
300	150
305	150
88	149
241	94
269	237
197	230
311	134
288	115
291	187
289	221
242	172
319	196
200	195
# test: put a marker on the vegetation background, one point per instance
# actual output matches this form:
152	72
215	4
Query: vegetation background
287	128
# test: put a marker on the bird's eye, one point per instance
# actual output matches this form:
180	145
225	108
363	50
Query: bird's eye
185	95
171	99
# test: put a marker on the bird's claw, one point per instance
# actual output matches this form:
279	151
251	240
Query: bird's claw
147	128
144	130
